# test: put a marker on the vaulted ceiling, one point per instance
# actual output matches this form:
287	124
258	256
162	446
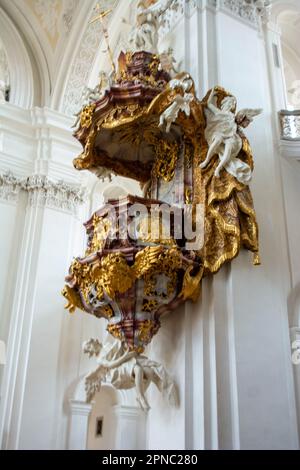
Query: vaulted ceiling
286	14
61	43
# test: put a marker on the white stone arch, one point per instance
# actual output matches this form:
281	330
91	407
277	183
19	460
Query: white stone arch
35	51
284	14
130	420
19	64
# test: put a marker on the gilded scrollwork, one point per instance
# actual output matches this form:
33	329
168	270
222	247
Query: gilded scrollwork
111	274
86	116
166	156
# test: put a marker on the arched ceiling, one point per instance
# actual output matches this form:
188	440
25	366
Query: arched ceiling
54	31
286	14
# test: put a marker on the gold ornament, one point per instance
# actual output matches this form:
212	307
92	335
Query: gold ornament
87	115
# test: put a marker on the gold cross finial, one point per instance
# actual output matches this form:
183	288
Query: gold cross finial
100	16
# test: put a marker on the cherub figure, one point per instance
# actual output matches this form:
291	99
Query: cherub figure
126	369
91	95
170	115
223	133
168	63
180	102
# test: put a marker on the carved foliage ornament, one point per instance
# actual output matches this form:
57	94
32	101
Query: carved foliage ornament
249	10
41	191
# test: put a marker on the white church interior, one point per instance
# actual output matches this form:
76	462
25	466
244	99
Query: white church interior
233	353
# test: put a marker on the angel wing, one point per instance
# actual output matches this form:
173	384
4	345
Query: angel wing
93	382
248	114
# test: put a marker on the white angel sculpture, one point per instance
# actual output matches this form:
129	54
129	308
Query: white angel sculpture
223	134
91	95
168	62
126	369
170	115
180	103
144	35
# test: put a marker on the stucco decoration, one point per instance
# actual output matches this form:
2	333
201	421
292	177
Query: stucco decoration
42	191
83	63
249	10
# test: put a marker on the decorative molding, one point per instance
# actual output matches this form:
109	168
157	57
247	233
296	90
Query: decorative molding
48	12
171	17
82	65
290	149
129	412
290	125
60	195
42	192
10	187
80	408
251	11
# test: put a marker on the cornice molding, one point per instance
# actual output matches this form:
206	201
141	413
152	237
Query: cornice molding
9	187
42	192
251	11
56	195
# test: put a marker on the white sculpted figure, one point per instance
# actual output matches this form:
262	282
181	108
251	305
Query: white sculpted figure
180	103
126	369
223	134
168	62
183	81
91	95
144	36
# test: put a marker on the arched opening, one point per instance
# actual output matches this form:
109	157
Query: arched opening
123	425
16	65
102	431
286	14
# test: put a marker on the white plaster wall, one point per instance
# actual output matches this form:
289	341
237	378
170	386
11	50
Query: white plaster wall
231	354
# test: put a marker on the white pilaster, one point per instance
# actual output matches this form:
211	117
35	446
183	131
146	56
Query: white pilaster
79	421
130	425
